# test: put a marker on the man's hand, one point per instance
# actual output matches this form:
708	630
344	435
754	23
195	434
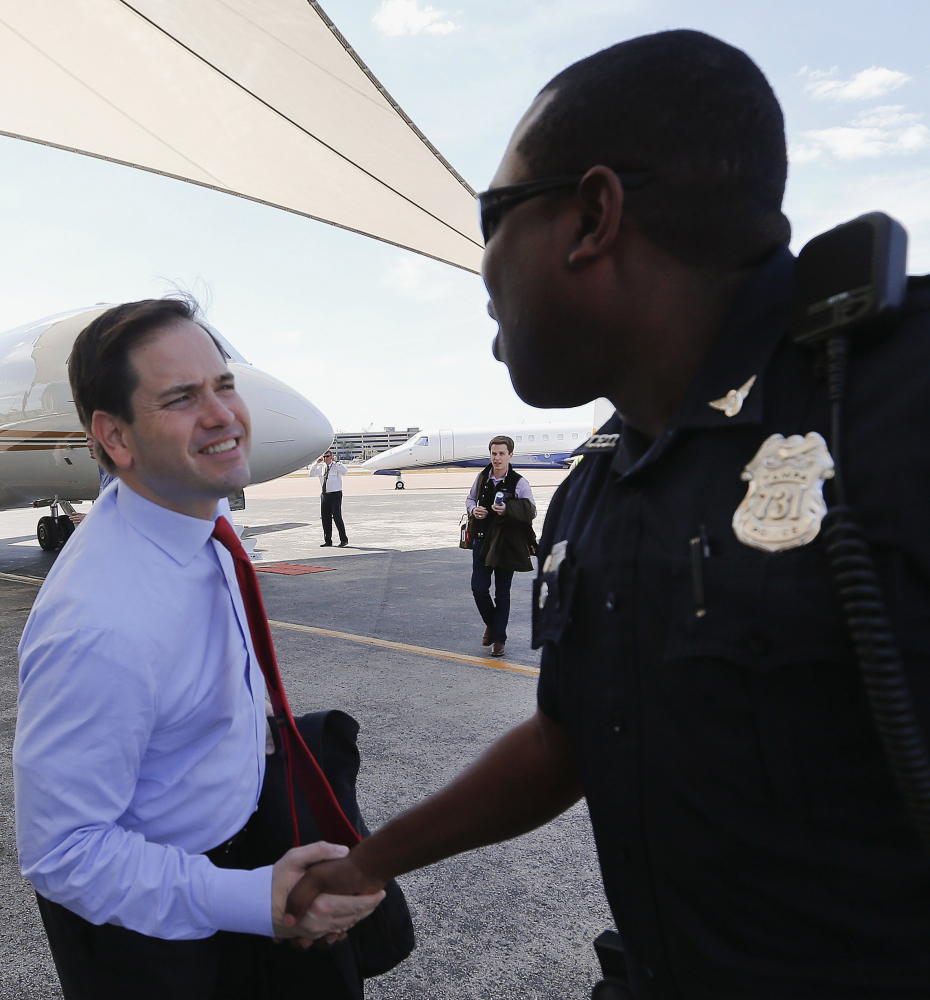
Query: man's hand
331	879
500	508
480	512
330	916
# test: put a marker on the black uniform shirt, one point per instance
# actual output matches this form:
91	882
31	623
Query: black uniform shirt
752	841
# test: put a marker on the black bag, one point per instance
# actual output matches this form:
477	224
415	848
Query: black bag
385	938
466	532
467	525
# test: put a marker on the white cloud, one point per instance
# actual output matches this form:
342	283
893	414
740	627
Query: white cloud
883	131
407	17
818	201
876	81
417	278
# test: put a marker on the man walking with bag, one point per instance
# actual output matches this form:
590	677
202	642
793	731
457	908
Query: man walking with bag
502	507
140	741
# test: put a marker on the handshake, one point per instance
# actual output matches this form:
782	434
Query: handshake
318	894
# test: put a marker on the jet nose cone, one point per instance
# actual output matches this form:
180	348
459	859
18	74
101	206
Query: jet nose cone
288	431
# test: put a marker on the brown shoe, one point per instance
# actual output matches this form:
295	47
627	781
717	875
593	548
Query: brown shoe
486	640
497	649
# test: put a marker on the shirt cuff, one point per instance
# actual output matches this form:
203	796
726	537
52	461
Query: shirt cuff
242	900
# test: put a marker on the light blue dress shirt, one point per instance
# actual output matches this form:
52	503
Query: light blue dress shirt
141	728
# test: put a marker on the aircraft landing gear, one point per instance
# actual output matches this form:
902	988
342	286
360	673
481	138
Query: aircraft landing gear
65	527
47	533
53	531
399	485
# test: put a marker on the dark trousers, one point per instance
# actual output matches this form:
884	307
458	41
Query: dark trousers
114	963
331	510
494	613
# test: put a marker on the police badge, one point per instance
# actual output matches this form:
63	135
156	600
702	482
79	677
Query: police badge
784	505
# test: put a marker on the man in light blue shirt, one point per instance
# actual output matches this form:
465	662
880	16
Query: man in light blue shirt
140	743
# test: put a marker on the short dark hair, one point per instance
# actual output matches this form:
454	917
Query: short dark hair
501	439
99	369
699	116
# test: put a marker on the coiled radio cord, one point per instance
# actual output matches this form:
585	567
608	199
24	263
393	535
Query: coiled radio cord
866	613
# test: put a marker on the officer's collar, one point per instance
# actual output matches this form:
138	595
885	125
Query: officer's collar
742	349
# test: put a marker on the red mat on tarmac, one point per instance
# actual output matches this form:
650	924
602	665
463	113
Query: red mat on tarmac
291	569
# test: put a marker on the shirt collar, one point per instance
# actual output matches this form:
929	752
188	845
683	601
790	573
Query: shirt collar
742	349
177	535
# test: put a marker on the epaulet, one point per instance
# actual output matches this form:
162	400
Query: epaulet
598	444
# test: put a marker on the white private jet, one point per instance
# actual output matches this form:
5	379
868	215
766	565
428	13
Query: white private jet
43	453
536	446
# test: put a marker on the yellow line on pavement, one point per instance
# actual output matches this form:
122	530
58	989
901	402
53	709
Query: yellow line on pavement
404	647
35	581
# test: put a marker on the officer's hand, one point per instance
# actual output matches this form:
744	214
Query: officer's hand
500	508
330	916
480	512
330	880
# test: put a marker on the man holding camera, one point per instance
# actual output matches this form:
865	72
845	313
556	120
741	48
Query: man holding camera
330	473
698	685
501	503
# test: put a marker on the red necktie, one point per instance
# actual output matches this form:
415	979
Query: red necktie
299	762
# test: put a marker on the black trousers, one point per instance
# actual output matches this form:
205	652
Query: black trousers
330	511
114	963
494	613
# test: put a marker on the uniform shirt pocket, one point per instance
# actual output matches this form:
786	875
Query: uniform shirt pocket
775	633
760	610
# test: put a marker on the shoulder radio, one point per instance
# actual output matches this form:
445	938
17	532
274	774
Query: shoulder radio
850	283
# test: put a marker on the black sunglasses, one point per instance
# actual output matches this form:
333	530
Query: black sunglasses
495	203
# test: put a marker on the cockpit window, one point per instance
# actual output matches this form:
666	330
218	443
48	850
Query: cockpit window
424	440
231	353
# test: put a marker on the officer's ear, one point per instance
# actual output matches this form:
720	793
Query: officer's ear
600	206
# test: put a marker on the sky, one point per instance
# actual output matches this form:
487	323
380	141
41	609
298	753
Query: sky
377	336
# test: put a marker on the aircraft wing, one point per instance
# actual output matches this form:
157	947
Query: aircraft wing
259	98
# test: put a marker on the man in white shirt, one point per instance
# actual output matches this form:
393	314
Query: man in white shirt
330	473
140	742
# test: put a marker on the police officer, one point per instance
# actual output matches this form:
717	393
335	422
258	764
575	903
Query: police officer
697	685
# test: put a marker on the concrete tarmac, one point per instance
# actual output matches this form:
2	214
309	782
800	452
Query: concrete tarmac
516	920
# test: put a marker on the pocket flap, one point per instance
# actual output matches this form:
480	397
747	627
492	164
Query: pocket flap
761	610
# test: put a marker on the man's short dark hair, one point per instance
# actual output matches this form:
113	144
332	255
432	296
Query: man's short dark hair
101	374
501	439
698	115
